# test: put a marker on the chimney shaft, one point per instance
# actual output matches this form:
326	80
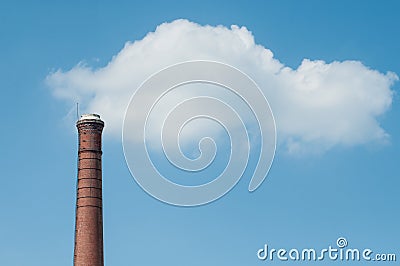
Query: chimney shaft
89	211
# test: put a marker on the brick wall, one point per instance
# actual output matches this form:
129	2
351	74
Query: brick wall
89	215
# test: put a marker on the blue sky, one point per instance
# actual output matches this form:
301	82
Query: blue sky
308	200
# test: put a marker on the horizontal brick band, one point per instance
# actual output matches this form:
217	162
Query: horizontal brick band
89	197
89	150
84	206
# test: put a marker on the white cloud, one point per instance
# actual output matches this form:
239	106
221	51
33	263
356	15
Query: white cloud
317	106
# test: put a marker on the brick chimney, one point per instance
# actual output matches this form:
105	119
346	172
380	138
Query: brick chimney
88	249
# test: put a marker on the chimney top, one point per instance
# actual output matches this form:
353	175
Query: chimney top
90	118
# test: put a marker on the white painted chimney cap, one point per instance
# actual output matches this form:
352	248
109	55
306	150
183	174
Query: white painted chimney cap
90	117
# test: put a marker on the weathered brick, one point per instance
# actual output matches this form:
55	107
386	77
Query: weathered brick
88	249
